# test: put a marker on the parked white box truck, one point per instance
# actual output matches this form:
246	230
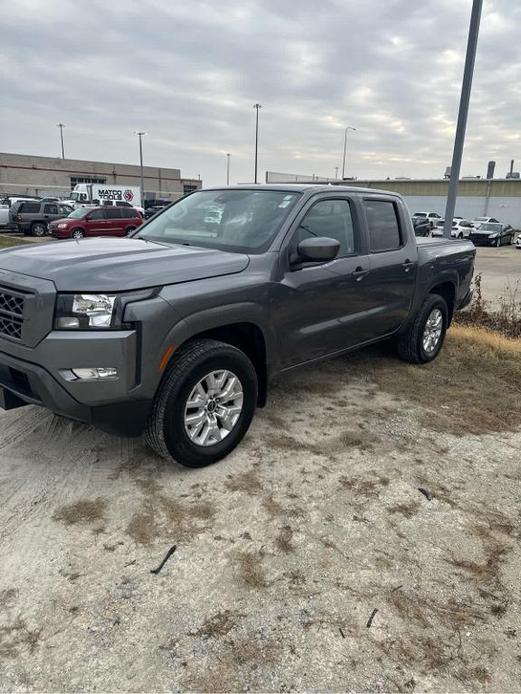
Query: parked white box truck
85	194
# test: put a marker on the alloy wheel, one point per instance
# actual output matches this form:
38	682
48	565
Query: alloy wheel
213	408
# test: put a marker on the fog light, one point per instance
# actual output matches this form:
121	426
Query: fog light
99	373
67	322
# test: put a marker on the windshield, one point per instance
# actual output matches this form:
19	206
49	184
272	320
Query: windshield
488	226
231	220
80	213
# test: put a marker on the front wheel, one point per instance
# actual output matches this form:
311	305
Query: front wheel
204	405
39	229
77	234
423	339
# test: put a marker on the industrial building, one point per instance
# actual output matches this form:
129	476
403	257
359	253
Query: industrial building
477	197
24	174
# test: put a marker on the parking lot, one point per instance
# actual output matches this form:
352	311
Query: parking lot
500	269
307	560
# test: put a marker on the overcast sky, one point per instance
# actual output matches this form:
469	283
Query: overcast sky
189	72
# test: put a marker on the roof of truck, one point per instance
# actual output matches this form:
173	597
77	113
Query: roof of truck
302	187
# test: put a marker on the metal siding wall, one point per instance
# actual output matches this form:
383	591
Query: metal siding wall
506	209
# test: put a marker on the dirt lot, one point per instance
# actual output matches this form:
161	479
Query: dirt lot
285	549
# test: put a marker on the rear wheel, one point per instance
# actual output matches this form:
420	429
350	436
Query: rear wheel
423	339
38	229
77	234
205	404
460	235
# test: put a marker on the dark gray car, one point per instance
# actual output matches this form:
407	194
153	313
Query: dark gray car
178	330
33	218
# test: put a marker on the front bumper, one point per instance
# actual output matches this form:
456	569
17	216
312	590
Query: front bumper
113	406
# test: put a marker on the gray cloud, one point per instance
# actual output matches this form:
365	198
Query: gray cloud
189	73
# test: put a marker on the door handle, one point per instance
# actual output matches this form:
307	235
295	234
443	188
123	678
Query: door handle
407	265
359	273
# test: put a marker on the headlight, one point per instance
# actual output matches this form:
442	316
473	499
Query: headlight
62	226
96	311
493	236
84	311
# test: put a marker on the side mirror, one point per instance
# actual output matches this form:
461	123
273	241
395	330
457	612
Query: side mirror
319	249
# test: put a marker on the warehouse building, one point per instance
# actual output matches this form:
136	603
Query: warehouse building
25	174
477	197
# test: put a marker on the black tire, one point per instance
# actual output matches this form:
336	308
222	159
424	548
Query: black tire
77	234
38	229
410	343
165	432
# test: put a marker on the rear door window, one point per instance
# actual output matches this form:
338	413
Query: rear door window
50	209
113	213
383	226
29	208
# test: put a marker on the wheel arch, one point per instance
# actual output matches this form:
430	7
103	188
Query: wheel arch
447	290
233	326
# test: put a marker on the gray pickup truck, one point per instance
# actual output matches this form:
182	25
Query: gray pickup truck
177	331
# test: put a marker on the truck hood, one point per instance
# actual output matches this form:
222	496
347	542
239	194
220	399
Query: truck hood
117	264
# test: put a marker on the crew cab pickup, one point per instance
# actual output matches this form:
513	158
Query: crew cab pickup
177	330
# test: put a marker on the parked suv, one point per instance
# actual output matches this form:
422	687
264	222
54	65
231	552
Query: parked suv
97	221
33	218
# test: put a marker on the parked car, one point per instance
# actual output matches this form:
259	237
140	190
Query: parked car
152	210
97	221
491	234
118	203
33	218
178	330
4	215
461	228
421	226
432	217
518	242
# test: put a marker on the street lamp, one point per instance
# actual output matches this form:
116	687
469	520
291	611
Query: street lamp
228	169
256	107
349	127
61	126
140	134
459	139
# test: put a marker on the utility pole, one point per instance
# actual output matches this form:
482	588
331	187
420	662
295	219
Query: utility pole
463	112
349	127
61	126
140	134
256	107
228	169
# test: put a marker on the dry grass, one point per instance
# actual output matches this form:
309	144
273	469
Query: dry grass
82	512
473	387
218	624
505	320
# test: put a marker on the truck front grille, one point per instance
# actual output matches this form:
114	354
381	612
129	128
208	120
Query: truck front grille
11	312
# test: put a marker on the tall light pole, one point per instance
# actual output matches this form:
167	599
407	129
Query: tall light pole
228	169
459	140
256	107
61	126
140	134
349	127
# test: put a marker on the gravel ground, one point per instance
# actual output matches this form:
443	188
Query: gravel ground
307	560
